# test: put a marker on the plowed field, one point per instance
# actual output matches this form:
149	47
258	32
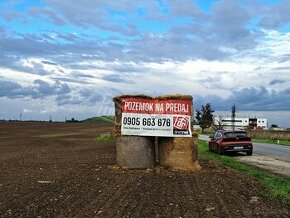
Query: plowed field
60	170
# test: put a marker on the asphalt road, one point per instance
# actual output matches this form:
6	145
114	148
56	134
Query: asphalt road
279	152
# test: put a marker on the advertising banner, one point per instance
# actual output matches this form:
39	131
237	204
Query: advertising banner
153	117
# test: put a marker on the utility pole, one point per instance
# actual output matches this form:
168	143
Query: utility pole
233	116
20	116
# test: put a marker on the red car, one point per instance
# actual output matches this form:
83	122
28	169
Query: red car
230	141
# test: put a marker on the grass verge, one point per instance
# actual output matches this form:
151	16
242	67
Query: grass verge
276	187
272	141
105	137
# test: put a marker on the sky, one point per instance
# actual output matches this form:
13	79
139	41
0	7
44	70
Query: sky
64	59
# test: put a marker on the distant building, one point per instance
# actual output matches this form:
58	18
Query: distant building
241	122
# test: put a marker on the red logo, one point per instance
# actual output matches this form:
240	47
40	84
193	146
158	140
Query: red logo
181	123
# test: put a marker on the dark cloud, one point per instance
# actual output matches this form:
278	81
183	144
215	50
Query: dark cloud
276	16
212	81
249	99
28	45
284	58
81	75
277	81
203	37
11	16
49	63
39	89
46	14
68	100
15	63
92	95
200	36
45	89
229	25
71	79
68	55
13	90
101	14
184	8
63	94
117	78
86	96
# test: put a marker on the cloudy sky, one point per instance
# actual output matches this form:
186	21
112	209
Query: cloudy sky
69	58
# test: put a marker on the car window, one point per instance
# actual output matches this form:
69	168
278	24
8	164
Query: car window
235	134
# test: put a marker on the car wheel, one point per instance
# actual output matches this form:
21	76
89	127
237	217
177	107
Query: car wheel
249	153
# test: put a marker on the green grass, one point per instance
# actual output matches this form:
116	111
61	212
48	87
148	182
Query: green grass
276	187
105	137
101	119
272	141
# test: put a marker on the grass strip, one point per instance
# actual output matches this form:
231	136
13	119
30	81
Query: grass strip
105	137
272	141
276	187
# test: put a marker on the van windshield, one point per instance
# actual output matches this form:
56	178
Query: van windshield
235	134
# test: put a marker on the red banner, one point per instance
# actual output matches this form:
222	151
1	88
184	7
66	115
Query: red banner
154	117
154	106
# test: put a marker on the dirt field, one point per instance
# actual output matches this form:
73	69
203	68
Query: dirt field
59	170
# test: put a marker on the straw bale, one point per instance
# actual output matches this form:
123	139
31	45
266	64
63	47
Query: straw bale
120	97
118	105
176	96
116	131
179	153
118	110
135	152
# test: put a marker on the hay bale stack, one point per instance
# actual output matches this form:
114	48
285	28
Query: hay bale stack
118	110
179	153
118	116
118	106
117	131
134	152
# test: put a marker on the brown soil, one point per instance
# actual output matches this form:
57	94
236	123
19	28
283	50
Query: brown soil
59	170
